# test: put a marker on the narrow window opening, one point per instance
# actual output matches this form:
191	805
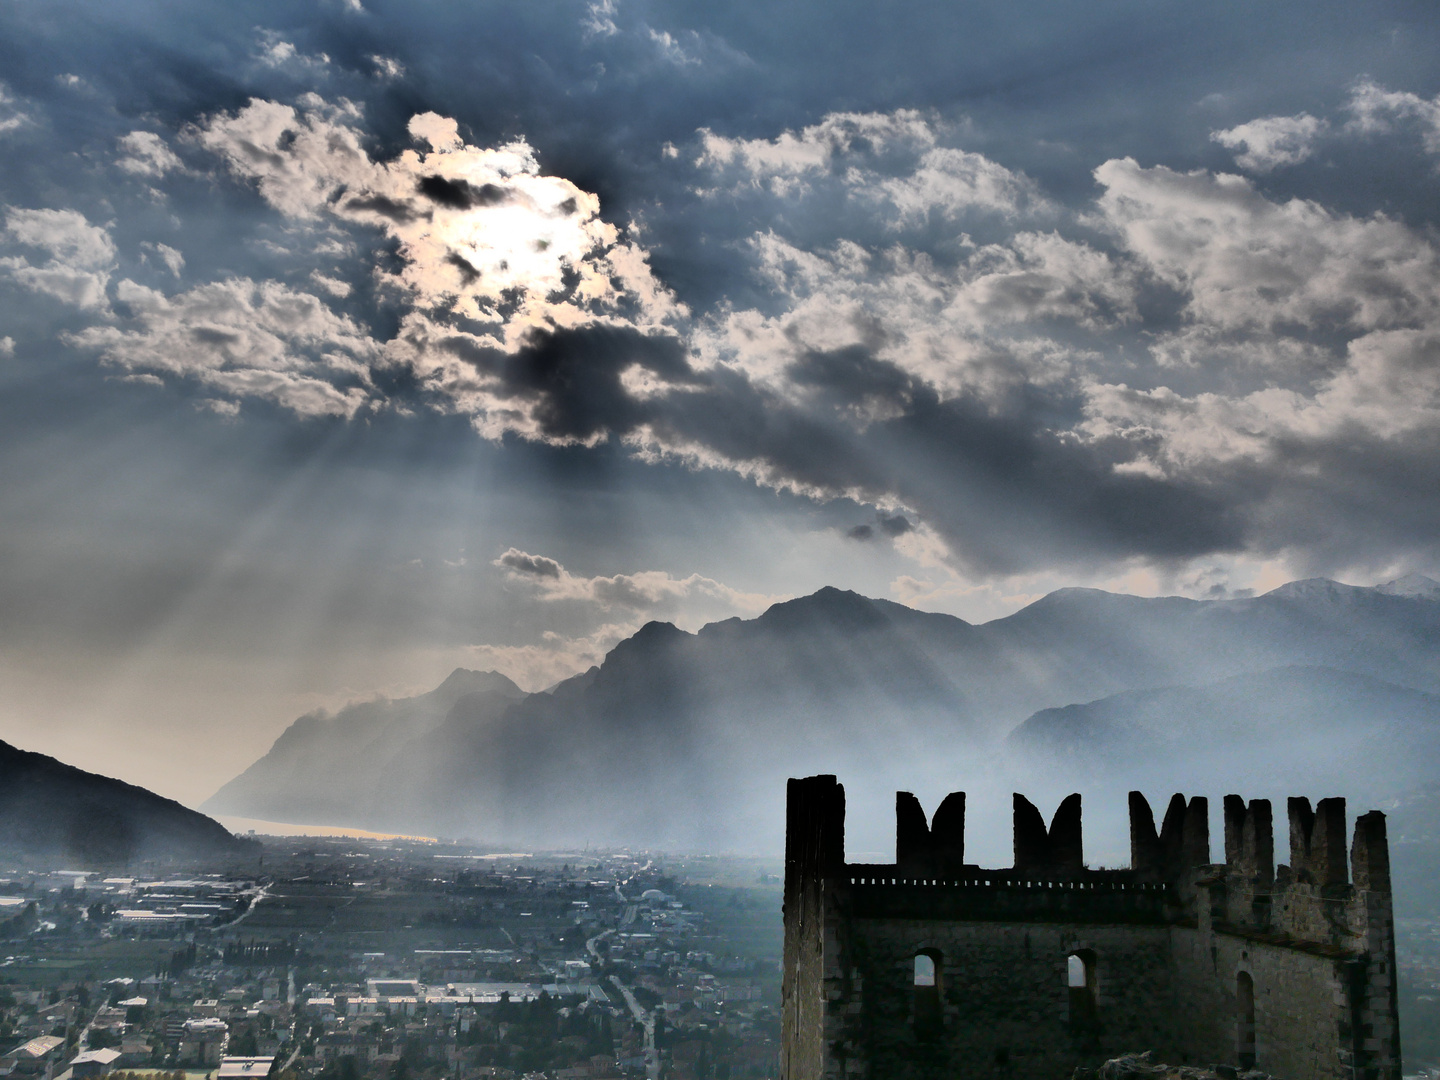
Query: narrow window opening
927	994
1245	1019
1080	979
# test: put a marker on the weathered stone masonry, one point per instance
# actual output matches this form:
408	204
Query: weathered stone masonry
1048	965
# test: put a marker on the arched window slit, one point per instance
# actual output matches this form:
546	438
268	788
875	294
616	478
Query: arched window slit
928	974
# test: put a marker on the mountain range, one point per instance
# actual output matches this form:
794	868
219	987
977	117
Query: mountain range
685	740
1337	730
51	809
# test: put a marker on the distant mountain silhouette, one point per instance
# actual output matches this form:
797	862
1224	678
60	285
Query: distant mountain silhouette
1318	724
336	769
48	808
686	739
1414	827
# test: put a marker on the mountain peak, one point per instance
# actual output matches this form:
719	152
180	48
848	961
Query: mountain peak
1413	585
1318	588
1072	594
650	637
468	681
840	608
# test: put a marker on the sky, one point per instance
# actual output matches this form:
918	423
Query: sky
344	342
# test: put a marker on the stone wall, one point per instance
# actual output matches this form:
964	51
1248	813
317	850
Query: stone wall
1301	1027
1005	1000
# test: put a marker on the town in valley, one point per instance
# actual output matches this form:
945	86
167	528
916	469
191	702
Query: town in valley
343	958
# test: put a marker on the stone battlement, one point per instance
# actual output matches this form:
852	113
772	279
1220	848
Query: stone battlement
1172	864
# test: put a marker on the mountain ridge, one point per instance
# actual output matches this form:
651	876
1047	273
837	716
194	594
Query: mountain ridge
708	724
1302	721
48	807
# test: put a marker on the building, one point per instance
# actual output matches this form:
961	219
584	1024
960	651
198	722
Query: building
932	967
203	1042
37	1055
244	1068
93	1063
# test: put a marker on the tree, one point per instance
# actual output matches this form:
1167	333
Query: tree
244	1044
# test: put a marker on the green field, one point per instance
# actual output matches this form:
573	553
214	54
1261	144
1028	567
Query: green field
102	960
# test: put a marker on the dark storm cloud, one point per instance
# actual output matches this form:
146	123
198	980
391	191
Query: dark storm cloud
1006	493
570	381
386	207
895	525
460	194
888	525
468	274
1012	495
531	565
574	377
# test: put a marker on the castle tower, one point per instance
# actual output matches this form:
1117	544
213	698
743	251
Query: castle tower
931	967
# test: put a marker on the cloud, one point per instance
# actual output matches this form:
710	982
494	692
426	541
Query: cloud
1272	141
275	52
1245	263
949	181
1355	300
532	315
386	67
228	409
80	259
523	565
7	346
244	339
1375	109
891	525
895	160
948	384
968	328
647	591
671	49
599	19
895	524
172	259
12	113
143	153
1129	380
524	308
483	234
334	286
816	148
498	261
1388	387
297	159
538	666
